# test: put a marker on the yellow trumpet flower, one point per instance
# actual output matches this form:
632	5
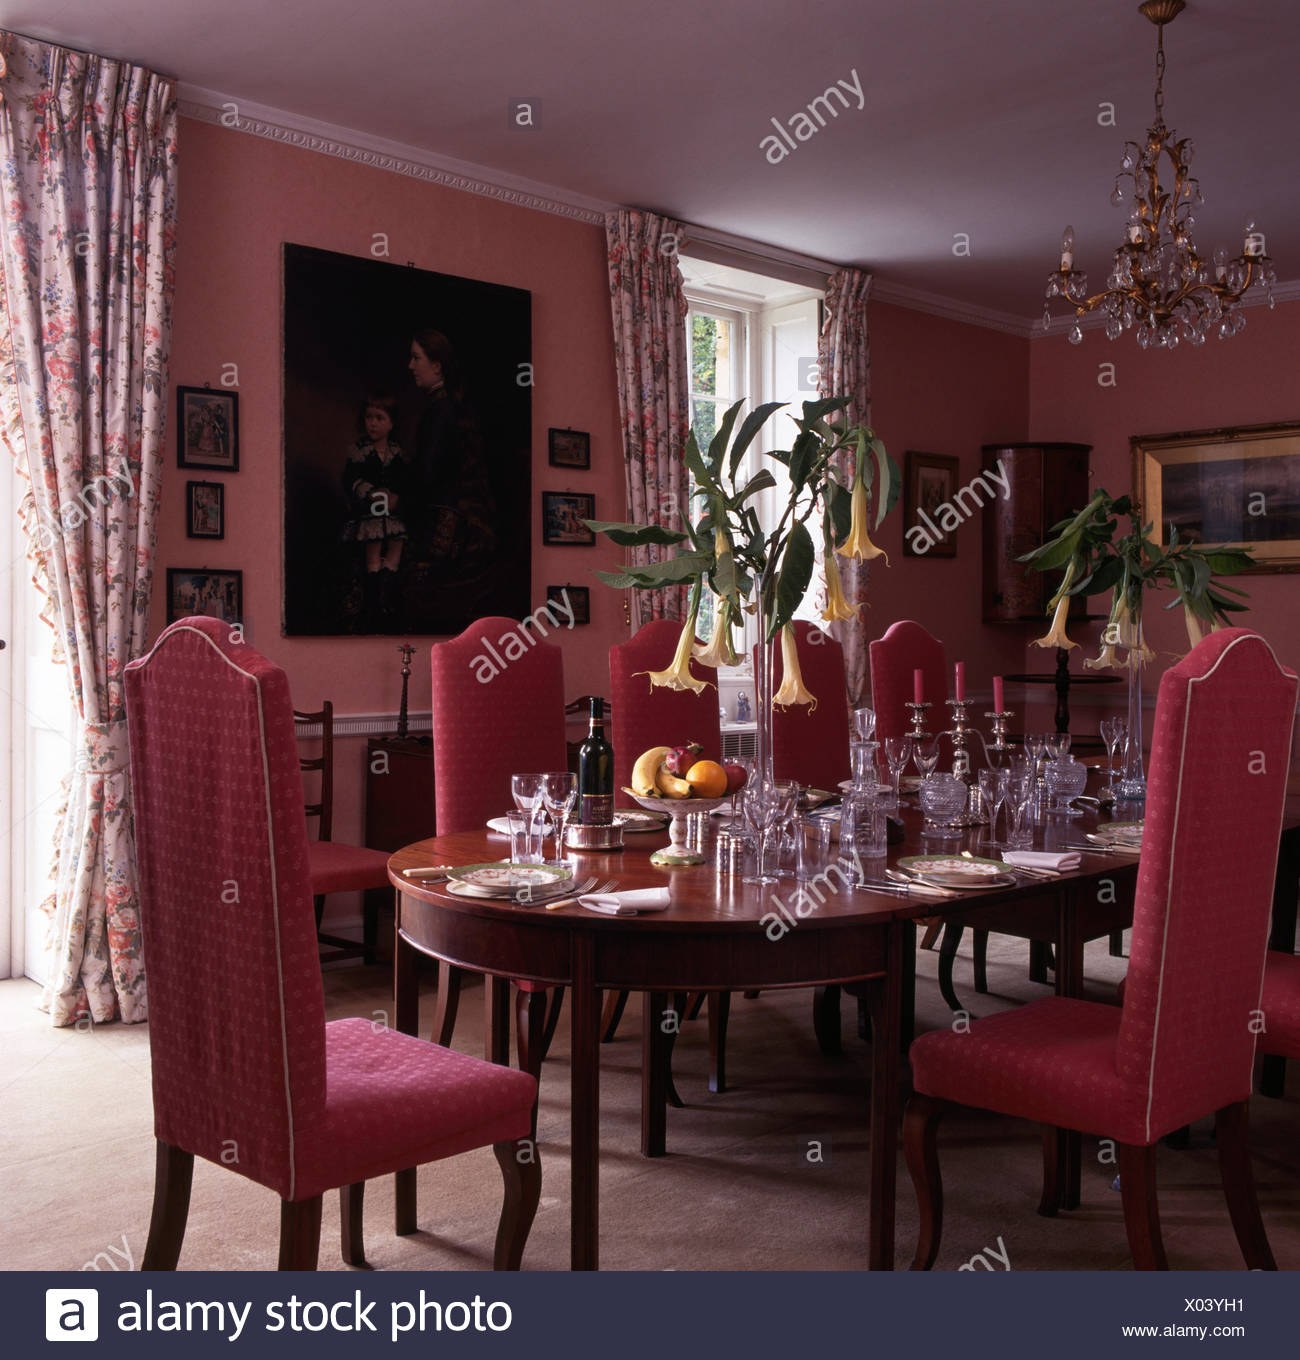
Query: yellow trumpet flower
859	544
837	607
1194	633
792	689
678	675
1055	635
720	651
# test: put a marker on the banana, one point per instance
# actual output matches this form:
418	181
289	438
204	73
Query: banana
645	770
670	785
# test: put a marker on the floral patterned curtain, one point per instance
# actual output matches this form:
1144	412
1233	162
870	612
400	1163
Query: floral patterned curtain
87	229
844	370
650	356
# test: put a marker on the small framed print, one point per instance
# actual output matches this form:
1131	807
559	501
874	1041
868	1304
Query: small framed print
196	590
562	516
207	429
205	510
569	448
929	518
569	601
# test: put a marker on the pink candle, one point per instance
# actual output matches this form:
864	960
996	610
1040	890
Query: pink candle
918	687
999	704
960	686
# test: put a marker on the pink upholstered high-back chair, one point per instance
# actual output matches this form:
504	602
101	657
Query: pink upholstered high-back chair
497	711
811	745
1183	1043
904	648
644	716
491	719
246	1073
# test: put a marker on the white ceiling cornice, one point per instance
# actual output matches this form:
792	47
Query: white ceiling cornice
329	139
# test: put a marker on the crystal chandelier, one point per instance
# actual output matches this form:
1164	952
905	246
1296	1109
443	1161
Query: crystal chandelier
1158	282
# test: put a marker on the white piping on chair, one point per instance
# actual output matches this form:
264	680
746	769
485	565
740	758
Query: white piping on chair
1169	880
275	886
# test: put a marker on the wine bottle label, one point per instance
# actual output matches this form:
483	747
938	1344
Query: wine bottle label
596	809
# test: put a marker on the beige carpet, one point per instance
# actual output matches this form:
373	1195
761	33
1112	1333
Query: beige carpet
735	1192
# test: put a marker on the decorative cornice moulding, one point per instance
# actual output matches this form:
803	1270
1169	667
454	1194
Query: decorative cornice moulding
328	139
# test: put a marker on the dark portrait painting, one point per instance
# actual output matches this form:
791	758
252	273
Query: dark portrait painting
407	464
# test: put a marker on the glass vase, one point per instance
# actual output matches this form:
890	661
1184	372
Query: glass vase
763	692
1132	783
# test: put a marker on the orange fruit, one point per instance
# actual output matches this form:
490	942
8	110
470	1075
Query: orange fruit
707	779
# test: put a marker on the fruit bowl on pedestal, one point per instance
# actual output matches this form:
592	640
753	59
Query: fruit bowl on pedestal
677	854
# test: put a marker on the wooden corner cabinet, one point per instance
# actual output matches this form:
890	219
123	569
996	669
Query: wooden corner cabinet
1047	483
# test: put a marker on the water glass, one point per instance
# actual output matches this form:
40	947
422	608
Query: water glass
525	841
1066	780
812	846
1034	743
1020	789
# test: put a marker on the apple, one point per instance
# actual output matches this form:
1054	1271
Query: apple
681	758
736	776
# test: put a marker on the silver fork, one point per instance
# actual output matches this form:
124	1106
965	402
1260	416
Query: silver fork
530	897
582	891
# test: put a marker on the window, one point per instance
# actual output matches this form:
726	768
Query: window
755	337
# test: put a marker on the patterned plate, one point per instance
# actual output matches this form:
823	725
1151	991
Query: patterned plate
1121	833
633	821
500	879
952	871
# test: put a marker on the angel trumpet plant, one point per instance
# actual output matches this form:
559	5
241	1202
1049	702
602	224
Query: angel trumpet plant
720	650
793	690
1056	635
837	607
858	544
678	675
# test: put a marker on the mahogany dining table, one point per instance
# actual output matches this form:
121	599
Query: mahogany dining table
712	938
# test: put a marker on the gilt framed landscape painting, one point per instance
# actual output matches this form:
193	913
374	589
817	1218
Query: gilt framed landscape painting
407	447
1238	487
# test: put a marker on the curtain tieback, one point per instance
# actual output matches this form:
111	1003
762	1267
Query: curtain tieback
104	748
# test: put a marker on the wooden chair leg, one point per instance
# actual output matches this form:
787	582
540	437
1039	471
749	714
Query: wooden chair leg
173	1174
1038	961
920	1148
695	1004
444	1017
352	1199
404	1206
1231	1128
980	941
1117	944
530	1025
826	1020
719	1014
947	953
611	1014
1137	1185
522	1173
680	1001
933	925
1053	1171
300	1233
552	1019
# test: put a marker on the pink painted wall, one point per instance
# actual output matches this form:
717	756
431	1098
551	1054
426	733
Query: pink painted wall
941	386
1248	380
241	197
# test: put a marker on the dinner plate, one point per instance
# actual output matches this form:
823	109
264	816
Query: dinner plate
503	879
1122	833
478	894
953	871
635	822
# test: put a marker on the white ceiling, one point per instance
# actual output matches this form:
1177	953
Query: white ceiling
979	118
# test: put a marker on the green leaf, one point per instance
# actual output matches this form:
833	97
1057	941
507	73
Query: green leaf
1228	561
1054	554
839	505
760	481
718	445
1106	577
628	535
749	427
703	477
685	567
814	411
796	573
802	453
890	483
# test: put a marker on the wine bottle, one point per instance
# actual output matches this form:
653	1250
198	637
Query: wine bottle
596	771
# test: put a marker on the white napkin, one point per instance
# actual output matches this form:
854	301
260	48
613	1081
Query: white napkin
501	827
627	903
1043	859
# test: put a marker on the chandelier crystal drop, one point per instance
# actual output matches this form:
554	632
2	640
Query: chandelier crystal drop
1158	282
